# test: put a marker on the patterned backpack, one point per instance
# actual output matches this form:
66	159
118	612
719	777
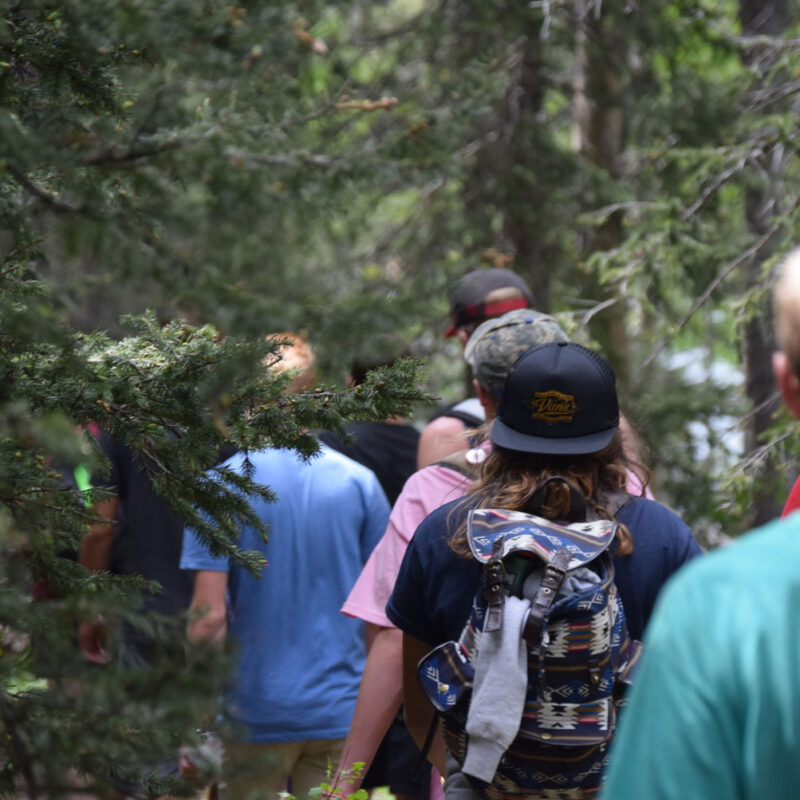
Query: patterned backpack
552	585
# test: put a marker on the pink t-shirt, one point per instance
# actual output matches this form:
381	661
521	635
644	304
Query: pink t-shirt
424	492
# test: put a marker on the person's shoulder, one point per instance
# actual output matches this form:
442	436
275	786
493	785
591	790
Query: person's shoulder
438	479
660	536
339	466
333	440
768	554
643	510
444	425
273	466
440	437
442	522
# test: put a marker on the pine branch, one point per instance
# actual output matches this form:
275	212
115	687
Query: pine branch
384	104
320	112
766	96
378	39
718	279
50	200
116	155
18	251
22	759
302	159
717	183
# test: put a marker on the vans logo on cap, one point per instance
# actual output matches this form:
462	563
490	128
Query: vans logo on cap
553	406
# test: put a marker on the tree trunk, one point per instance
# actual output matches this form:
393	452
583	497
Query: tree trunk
525	218
598	135
770	18
519	167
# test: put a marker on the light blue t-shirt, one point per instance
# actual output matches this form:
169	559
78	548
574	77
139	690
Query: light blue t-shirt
715	712
299	659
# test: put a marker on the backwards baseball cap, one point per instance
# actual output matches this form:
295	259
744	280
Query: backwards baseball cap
479	295
497	343
559	399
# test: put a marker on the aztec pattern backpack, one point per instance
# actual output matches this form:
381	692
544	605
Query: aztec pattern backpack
575	660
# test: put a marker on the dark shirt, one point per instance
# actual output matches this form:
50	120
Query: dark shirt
390	451
433	594
148	535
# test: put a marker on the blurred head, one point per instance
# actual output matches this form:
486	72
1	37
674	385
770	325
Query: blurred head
379	350
295	358
483	294
497	343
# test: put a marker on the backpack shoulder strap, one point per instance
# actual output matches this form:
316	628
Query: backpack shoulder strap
617	501
469	411
467	462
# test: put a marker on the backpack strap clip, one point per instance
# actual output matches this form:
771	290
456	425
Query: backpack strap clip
554	574
495	573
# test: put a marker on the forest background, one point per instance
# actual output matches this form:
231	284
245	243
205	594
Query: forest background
179	178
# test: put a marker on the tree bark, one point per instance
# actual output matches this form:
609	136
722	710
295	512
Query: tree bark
768	18
598	134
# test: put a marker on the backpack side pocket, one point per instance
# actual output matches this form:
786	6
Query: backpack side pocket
445	676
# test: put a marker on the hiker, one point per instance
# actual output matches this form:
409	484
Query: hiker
715	712
136	533
557	415
477	296
299	661
380	695
142	536
491	352
388	448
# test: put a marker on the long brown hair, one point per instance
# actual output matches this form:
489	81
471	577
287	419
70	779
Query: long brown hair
509	478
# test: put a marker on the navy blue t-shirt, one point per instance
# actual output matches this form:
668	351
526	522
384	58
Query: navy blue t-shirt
433	594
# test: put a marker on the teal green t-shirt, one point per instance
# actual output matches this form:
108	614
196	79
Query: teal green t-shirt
715	712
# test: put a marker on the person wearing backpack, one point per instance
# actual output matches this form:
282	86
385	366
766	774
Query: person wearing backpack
557	416
491	351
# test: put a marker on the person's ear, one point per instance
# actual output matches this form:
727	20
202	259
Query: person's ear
788	383
486	398
463	336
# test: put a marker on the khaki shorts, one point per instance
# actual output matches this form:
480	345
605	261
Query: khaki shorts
260	771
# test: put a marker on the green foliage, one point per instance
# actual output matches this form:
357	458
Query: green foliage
344	779
176	394
330	167
152	151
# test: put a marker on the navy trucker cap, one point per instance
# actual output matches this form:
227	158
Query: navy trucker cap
560	398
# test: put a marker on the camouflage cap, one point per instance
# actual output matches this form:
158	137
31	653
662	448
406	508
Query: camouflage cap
497	343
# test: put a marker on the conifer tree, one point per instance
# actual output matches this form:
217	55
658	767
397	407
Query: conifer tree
149	148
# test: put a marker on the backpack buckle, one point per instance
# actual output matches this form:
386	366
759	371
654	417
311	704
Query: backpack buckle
495	595
554	574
